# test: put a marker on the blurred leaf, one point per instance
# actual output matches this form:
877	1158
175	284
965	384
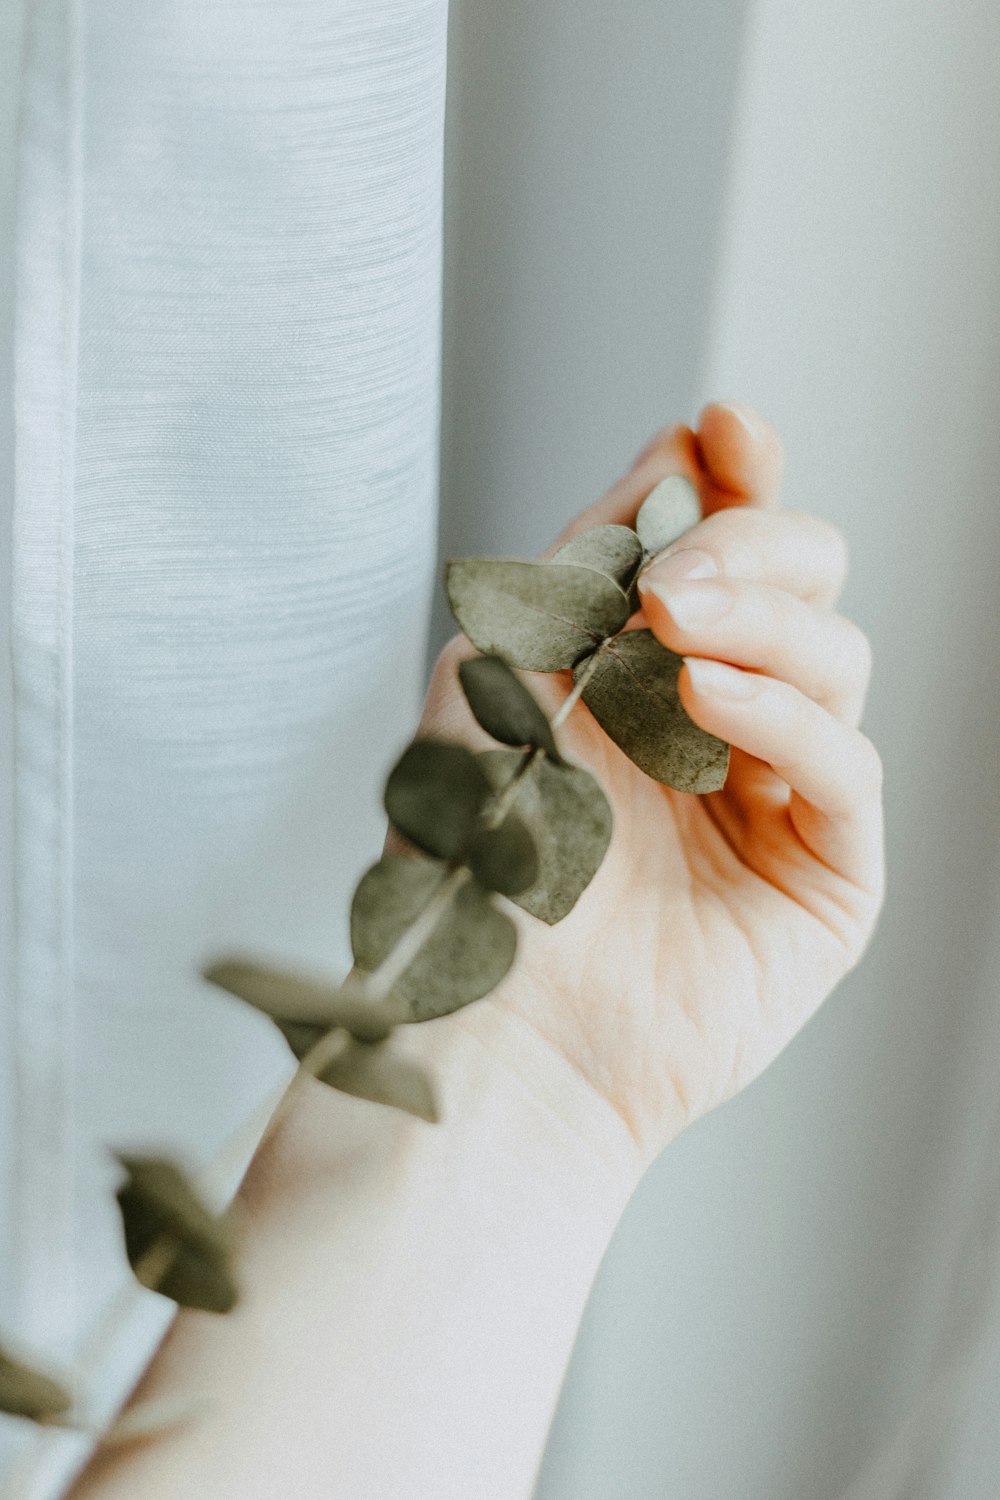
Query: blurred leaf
466	956
434	795
158	1203
503	705
504	859
633	696
374	1070
614	550
295	998
535	616
571	820
669	510
26	1392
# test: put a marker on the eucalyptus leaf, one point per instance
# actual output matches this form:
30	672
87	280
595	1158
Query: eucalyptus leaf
571	820
614	550
669	510
468	953
26	1392
504	859
295	998
381	1072
503	705
434	795
537	617
159	1205
632	694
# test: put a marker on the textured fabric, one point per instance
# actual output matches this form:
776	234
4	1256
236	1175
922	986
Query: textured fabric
227	349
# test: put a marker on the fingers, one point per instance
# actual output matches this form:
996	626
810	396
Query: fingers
834	771
733	459
757	626
789	550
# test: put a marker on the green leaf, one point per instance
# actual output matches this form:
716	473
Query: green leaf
466	956
295	998
504	859
434	796
380	1072
571	821
26	1392
503	705
667	512
633	696
614	550
159	1206
538	617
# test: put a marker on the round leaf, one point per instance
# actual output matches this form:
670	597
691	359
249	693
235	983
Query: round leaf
504	859
466	956
434	795
667	512
503	705
26	1392
570	819
633	696
614	550
158	1203
537	617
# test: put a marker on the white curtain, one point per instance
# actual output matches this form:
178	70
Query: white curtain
226	273
798	205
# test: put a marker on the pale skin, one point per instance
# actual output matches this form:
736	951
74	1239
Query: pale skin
412	1292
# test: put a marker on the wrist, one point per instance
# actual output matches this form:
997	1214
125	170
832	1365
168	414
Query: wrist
504	1093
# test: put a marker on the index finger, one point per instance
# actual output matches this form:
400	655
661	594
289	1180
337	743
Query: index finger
735	458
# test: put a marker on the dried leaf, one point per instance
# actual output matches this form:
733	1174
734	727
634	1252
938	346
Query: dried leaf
669	510
538	617
26	1392
633	696
434	796
382	1073
294	998
571	821
466	956
159	1205
504	859
503	705
614	550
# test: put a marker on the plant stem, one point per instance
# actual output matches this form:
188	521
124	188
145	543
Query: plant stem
566	708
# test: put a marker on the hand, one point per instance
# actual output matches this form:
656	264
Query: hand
717	924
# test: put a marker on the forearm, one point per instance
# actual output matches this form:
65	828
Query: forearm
411	1292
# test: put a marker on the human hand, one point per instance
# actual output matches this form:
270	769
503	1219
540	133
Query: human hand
718	923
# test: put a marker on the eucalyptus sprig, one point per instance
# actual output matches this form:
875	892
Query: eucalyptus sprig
429	932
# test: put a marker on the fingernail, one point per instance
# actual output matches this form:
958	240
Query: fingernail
748	419
691	604
678	567
719	680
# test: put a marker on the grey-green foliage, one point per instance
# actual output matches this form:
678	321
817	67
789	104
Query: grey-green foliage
503	706
630	687
27	1392
538	616
570	819
666	513
173	1243
632	693
466	955
294	998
